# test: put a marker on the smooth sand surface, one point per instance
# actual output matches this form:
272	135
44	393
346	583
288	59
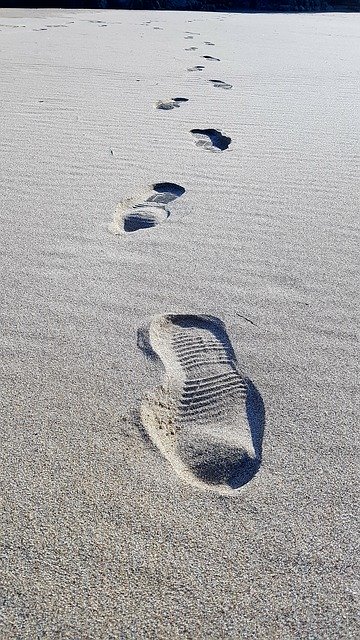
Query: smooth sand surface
101	538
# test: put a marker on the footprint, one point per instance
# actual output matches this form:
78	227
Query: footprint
198	67
14	26
170	104
211	58
209	43
221	84
211	139
191	49
147	210
189	38
206	419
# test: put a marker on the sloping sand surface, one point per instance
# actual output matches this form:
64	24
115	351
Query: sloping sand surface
101	538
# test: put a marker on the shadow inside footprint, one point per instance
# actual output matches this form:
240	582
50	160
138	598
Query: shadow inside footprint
218	464
255	411
166	192
211	58
143	343
144	220
211	139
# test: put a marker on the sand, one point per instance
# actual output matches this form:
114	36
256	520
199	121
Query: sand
101	537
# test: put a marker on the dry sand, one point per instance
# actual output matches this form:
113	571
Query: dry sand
101	538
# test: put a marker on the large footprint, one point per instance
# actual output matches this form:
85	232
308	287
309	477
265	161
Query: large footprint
198	418
211	139
145	211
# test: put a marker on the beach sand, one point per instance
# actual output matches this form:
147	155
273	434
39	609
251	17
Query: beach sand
104	534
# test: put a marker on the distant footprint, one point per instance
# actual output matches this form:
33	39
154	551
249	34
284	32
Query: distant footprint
203	416
209	43
211	139
188	37
220	84
211	58
191	49
170	104
198	67
147	210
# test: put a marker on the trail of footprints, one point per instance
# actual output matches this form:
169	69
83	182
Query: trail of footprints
202	416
